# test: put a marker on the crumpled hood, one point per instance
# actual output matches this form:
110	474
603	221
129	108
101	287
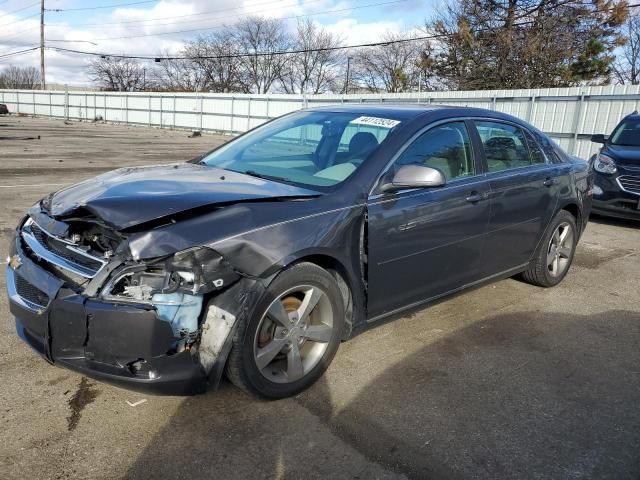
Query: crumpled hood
131	196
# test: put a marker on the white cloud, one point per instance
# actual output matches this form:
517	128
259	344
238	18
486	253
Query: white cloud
355	32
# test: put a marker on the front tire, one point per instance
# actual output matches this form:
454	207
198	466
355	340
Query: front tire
292	336
555	255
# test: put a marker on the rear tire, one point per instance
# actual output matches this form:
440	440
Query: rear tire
555	254
292	336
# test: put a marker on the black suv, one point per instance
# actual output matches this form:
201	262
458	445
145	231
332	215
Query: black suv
617	170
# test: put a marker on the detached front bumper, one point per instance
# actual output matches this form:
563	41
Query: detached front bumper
615	200
124	344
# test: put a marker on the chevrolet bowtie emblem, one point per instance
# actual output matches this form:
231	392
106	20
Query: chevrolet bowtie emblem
15	262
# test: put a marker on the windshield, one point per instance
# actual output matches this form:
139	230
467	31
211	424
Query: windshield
626	134
318	149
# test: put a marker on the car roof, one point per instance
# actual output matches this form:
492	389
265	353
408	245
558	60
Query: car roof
408	111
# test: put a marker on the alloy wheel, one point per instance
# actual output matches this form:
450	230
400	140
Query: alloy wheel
293	334
560	249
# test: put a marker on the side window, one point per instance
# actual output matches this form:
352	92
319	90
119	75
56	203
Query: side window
505	146
552	149
445	147
534	150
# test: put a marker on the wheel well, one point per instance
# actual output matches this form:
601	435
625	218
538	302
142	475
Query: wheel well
574	210
339	272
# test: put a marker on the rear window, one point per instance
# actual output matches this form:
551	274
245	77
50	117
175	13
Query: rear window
505	146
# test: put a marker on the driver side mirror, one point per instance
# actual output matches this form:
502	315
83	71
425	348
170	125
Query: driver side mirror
598	138
415	176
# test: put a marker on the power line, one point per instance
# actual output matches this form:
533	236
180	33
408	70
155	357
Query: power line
9	49
19	10
19	52
99	7
106	24
20	20
191	30
293	52
283	52
264	54
218	25
151	21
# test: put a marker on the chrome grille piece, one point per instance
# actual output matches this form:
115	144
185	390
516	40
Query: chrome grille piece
629	183
59	252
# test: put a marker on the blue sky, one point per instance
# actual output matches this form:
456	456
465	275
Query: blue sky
146	25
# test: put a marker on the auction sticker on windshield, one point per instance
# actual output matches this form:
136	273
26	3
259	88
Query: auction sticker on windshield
375	121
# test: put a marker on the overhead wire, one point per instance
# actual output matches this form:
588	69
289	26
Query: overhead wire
151	21
191	30
220	25
99	7
20	9
20	52
274	53
20	19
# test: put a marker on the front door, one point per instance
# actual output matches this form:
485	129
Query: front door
423	243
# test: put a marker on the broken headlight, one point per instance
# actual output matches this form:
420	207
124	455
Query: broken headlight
192	272
174	286
170	293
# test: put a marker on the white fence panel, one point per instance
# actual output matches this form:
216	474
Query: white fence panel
569	115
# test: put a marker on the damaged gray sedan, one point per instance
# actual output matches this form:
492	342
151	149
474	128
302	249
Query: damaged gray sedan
257	259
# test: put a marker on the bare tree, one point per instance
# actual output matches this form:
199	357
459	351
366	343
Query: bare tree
394	67
215	57
178	75
258	39
317	68
119	74
627	65
27	78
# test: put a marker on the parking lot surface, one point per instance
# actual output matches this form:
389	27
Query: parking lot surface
505	381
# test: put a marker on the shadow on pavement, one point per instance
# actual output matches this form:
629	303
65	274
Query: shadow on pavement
615	222
526	395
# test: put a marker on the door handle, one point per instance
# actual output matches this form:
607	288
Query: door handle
474	197
549	181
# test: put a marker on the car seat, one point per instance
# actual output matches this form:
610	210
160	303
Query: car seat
362	144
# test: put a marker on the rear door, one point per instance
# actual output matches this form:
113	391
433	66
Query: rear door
524	192
423	243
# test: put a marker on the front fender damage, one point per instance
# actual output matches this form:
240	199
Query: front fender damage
224	315
135	344
226	299
247	262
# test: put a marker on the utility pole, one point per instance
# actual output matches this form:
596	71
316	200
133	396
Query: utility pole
43	83
346	85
